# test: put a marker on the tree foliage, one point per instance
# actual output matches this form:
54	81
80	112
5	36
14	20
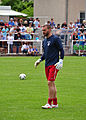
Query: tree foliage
20	6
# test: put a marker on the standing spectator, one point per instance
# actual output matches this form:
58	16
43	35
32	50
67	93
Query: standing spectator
17	44
52	46
10	42
11	22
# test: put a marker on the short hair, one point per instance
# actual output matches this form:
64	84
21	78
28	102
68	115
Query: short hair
47	25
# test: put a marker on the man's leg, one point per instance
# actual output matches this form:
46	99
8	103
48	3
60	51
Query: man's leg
52	92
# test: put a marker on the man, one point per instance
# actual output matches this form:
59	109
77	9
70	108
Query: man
52	46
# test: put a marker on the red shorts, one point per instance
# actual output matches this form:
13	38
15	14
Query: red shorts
51	72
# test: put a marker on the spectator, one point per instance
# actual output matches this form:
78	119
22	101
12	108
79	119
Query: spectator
82	29
20	22
11	22
5	30
58	26
29	30
75	37
10	42
1	37
15	22
78	23
36	23
22	31
35	51
1	34
25	48
52	24
30	50
64	25
71	25
18	29
17	44
1	23
48	22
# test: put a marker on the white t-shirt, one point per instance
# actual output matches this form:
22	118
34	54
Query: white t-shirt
24	47
10	38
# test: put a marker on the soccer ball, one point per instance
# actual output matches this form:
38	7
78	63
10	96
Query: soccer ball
22	76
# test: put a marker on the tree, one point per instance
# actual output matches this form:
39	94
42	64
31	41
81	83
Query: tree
20	6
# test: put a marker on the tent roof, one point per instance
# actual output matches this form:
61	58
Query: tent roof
9	12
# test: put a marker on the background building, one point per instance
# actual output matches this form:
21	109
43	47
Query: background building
60	10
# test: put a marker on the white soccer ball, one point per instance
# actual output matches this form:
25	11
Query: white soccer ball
22	76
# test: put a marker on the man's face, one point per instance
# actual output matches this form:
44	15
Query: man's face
45	31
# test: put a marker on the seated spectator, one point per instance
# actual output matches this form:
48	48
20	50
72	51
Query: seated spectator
84	23
81	37
71	25
22	31
30	50
78	23
1	34
75	37
52	24
35	51
24	48
58	26
20	22
18	29
13	29
82	28
17	44
36	23
1	37
11	22
25	23
10	42
1	23
15	22
64	25
48	22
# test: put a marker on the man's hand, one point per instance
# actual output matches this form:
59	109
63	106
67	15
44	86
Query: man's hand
59	64
37	63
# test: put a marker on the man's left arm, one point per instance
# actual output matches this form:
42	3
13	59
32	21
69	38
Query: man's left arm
59	64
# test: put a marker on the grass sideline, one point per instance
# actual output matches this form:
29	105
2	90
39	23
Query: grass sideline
22	99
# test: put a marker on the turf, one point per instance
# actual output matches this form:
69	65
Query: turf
22	99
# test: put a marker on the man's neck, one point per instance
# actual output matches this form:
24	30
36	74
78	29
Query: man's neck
49	35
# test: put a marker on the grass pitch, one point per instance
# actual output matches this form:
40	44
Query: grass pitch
22	99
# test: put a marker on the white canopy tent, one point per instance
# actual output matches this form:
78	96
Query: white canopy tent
6	11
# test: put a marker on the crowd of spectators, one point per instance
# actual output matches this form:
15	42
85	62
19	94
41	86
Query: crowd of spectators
29	50
19	29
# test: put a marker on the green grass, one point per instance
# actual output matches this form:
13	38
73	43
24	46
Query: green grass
22	99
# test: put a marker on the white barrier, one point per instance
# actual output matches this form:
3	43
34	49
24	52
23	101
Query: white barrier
31	41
